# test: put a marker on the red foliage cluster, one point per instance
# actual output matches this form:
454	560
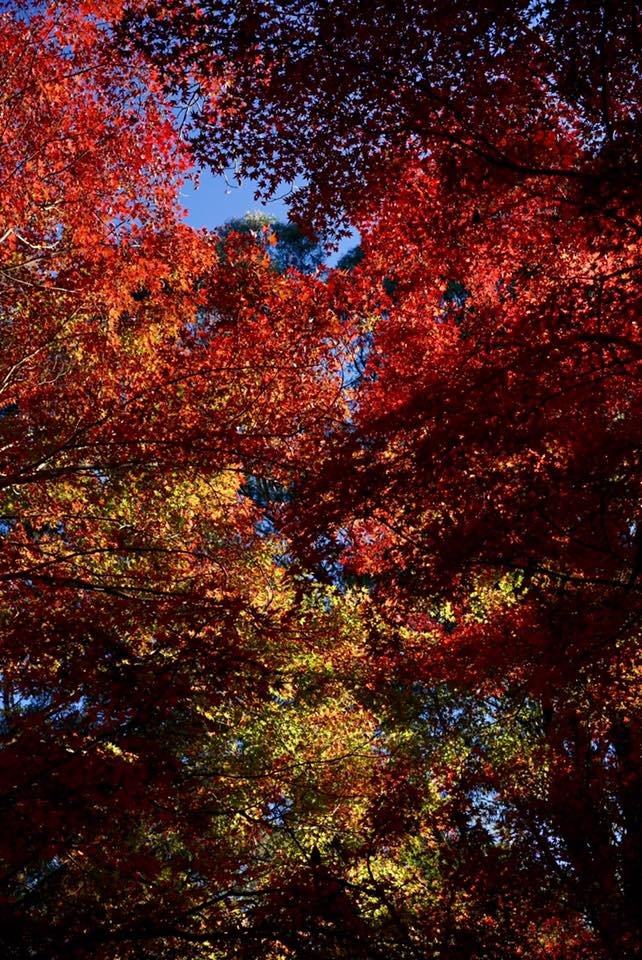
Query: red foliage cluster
321	594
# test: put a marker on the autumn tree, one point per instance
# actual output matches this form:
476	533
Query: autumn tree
486	483
320	591
149	623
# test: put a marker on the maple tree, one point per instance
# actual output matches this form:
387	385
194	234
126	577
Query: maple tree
145	375
486	485
320	599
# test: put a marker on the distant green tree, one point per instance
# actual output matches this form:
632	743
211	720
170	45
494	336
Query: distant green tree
350	259
288	246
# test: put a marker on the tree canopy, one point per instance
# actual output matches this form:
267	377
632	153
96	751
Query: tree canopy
320	588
